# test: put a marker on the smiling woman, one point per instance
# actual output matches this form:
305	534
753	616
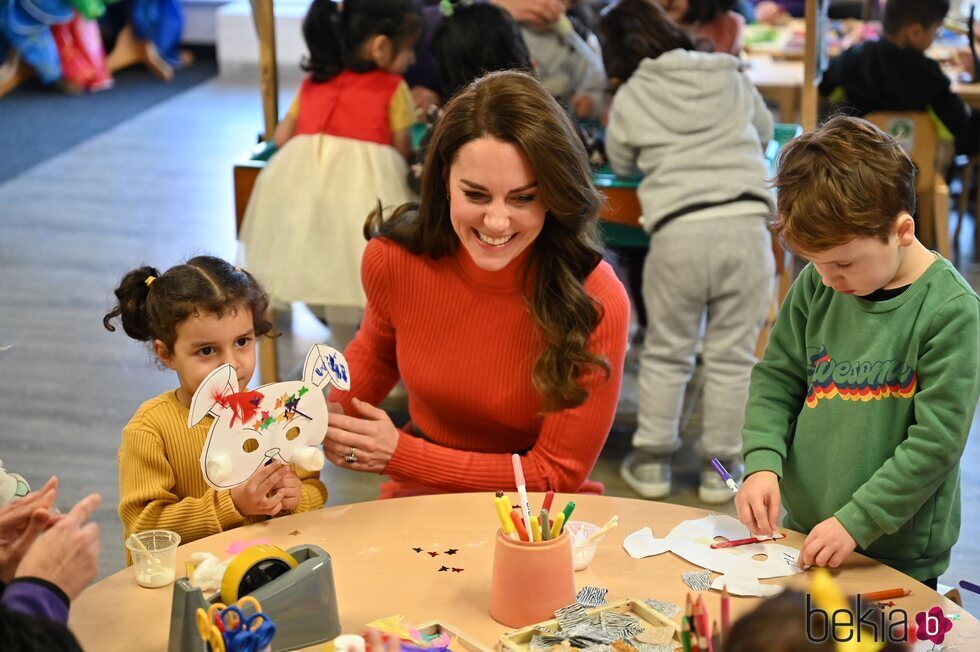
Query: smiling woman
492	304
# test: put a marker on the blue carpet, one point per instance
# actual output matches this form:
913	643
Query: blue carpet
37	123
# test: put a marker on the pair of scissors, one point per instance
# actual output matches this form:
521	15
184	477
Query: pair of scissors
209	632
247	633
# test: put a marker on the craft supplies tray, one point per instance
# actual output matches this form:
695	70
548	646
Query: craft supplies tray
520	640
463	642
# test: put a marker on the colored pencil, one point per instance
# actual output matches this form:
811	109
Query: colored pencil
715	636
877	596
685	635
726	613
745	542
704	625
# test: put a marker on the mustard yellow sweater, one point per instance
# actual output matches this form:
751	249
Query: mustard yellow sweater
160	481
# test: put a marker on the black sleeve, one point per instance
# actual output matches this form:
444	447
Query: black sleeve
23	633
832	76
947	105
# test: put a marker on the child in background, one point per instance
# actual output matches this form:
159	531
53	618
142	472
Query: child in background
894	73
713	25
694	126
472	40
198	316
861	408
568	66
344	145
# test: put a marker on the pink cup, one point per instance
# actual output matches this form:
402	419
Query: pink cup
530	580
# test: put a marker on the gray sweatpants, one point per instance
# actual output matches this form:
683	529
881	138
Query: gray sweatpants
720	271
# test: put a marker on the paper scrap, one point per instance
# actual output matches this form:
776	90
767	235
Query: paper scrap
668	609
697	580
237	546
591	596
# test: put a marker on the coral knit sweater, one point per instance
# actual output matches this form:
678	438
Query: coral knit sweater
464	343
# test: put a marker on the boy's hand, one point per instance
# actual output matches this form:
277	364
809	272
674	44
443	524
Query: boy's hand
757	503
291	487
828	544
260	495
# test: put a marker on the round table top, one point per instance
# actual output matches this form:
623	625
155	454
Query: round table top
378	573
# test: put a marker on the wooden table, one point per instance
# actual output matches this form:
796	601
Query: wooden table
378	574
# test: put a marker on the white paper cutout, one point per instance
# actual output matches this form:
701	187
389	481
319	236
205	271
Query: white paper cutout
284	421
691	540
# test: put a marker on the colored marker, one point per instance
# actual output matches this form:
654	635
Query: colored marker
969	586
548	497
744	542
506	526
725	475
515	517
556	527
522	490
877	596
535	530
545	525
569	508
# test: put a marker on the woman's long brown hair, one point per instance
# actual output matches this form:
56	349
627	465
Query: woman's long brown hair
514	108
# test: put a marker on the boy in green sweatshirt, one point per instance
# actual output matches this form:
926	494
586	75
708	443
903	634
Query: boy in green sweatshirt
861	407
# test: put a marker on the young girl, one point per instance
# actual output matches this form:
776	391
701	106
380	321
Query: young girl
472	40
344	145
198	316
713	24
694	126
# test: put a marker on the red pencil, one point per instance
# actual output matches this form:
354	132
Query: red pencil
726	614
704	625
745	542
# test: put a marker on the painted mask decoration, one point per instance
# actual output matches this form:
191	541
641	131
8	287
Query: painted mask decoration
284	421
740	568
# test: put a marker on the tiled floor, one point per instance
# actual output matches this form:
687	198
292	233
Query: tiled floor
157	189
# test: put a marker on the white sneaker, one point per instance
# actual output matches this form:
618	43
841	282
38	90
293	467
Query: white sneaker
712	488
646	473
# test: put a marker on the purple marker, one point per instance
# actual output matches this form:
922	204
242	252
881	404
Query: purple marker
969	586
725	475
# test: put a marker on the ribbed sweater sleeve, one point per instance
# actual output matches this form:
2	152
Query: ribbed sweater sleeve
466	354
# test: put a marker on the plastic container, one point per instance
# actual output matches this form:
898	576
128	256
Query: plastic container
155	561
579	531
530	580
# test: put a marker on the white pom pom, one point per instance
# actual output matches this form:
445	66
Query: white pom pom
308	458
219	467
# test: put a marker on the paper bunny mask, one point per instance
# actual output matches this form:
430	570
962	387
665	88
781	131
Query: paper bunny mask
284	421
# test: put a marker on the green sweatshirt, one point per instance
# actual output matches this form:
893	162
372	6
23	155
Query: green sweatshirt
863	410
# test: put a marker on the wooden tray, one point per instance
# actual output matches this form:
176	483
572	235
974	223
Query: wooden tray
520	640
437	627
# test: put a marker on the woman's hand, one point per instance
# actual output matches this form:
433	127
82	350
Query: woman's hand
68	554
757	503
21	522
371	436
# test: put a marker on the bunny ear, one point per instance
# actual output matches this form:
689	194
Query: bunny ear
219	383
324	363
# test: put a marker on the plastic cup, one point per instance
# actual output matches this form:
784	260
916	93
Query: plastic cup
579	531
154	557
530	580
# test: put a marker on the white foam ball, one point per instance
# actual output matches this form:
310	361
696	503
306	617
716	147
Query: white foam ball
308	458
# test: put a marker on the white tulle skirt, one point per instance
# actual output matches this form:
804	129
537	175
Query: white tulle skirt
303	235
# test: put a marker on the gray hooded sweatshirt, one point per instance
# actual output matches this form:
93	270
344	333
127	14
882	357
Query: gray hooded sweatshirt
695	127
